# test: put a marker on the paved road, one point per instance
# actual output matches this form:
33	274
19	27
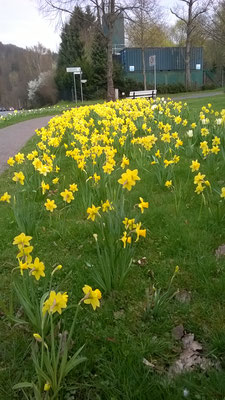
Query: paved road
14	137
197	95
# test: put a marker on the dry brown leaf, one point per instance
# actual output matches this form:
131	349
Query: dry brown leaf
220	252
178	332
183	296
190	357
118	314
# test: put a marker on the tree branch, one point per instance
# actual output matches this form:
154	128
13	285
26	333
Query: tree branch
178	16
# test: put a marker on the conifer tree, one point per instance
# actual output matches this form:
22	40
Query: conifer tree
99	64
75	39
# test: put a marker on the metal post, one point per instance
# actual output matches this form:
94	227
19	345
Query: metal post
155	74
81	87
75	89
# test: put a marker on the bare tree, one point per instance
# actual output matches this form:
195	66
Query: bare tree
107	12
193	10
215	27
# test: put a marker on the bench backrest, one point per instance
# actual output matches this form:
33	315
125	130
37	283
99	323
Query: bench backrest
144	93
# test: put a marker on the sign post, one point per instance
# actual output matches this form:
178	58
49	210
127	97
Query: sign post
75	88
76	71
81	87
152	63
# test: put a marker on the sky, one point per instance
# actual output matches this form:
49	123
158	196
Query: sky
22	24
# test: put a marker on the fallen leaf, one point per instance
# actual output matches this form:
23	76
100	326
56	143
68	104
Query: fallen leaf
118	314
178	332
183	296
109	339
220	252
190	357
142	261
146	362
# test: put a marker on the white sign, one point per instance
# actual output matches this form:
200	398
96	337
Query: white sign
131	68
76	70
152	61
198	66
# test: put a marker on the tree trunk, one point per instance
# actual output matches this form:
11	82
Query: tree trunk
144	68
188	47
188	65
110	84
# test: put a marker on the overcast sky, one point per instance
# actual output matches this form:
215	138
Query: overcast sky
22	24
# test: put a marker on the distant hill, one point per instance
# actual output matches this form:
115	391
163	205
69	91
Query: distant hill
17	67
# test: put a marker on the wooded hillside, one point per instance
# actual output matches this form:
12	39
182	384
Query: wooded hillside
17	67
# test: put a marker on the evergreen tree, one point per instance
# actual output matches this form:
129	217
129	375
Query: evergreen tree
99	64
75	39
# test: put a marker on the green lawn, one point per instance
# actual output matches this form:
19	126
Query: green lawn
63	105
128	341
14	118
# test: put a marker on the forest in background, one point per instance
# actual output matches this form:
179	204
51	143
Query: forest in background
19	66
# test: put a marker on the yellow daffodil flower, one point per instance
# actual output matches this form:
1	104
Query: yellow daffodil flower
143	204
55	303
92	296
37	269
50	205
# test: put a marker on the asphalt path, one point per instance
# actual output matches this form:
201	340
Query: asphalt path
197	95
14	137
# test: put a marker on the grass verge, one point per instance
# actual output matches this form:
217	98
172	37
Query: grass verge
129	343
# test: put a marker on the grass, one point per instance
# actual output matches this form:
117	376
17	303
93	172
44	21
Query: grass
121	333
197	92
25	115
14	118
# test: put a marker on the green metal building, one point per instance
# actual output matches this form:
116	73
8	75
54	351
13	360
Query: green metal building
170	65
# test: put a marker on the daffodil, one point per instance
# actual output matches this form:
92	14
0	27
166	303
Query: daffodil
55	303
143	204
106	206
93	211
125	162
25	254
73	187
23	266
44	186
129	178
37	269
199	178
67	196
195	165
92	296
222	195
47	387
19	177
22	240
129	223
19	158
5	197
168	184
55	181
37	337
125	239
50	205
139	231
11	161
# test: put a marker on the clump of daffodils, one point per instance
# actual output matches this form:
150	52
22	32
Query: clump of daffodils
36	268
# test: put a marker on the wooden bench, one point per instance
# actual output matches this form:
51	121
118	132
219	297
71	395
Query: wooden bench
142	93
